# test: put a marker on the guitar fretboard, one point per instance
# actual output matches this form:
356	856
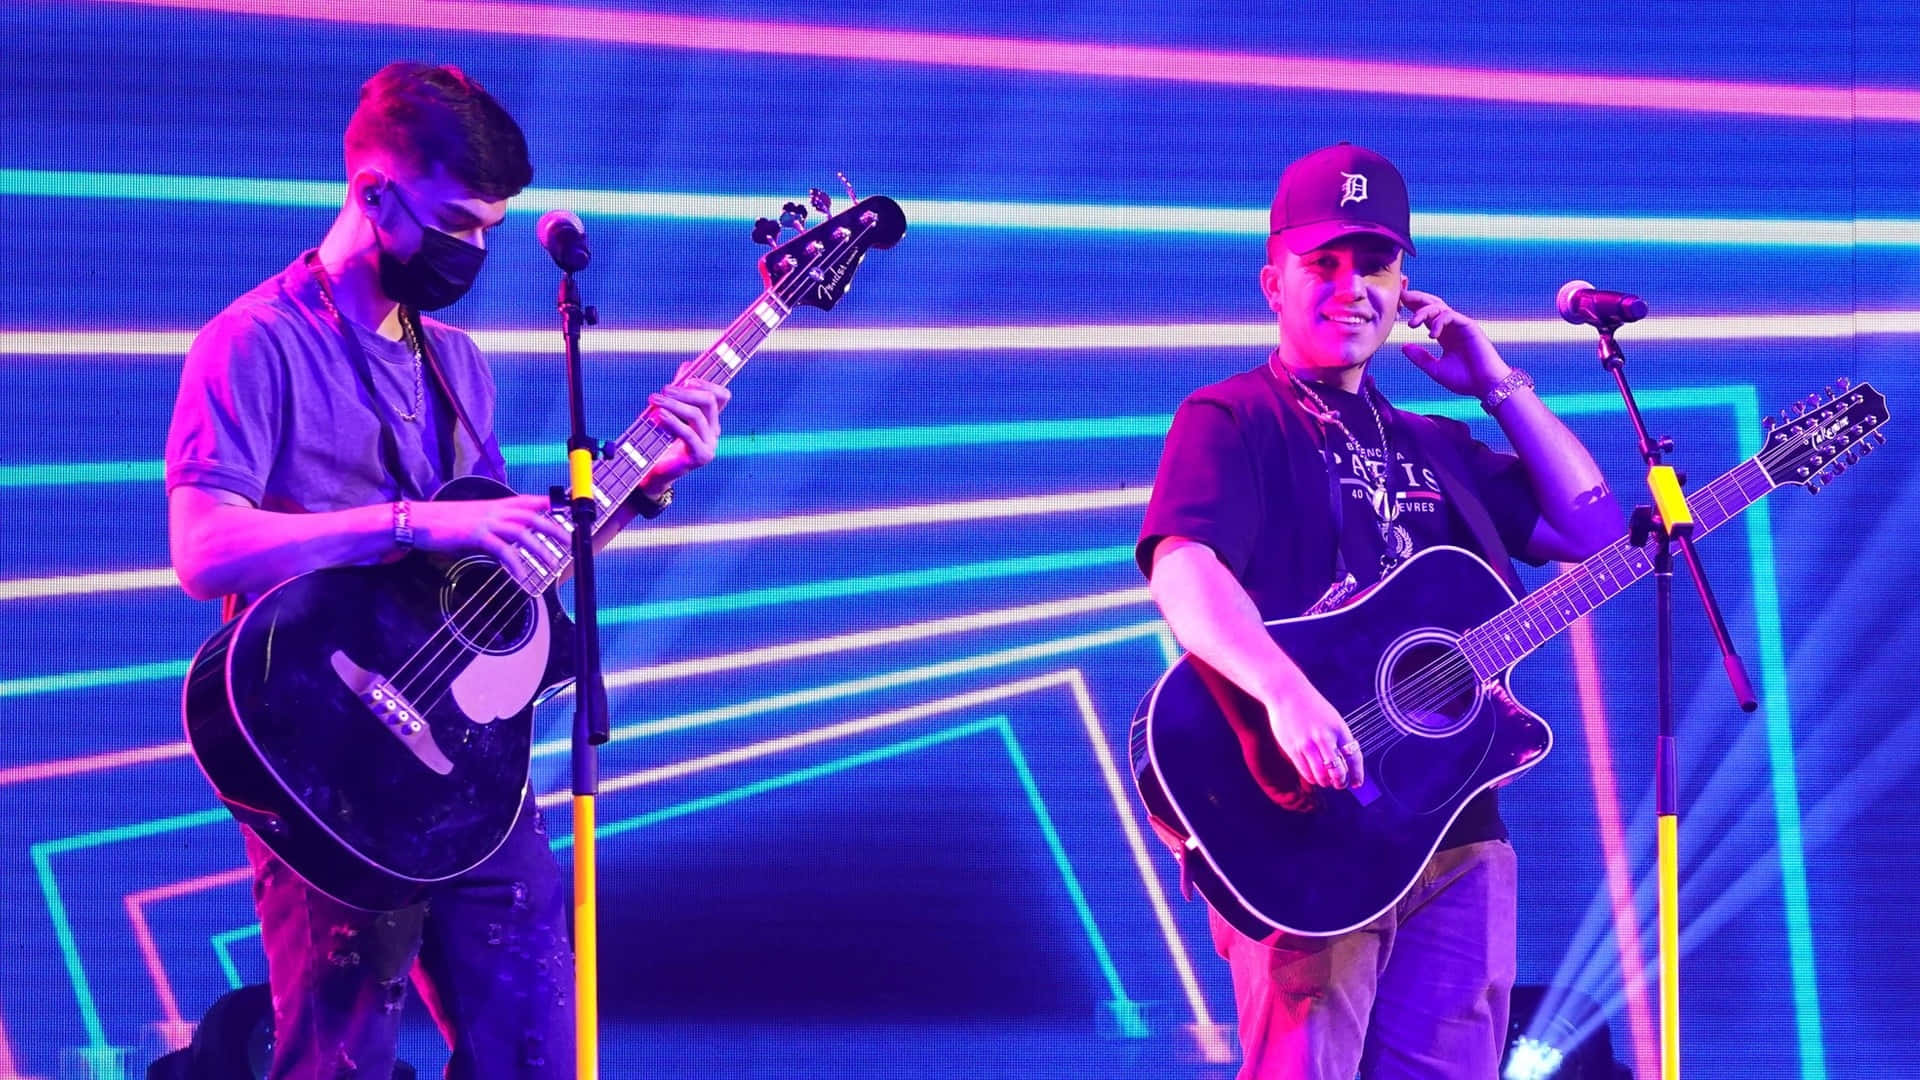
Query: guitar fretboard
618	475
1505	639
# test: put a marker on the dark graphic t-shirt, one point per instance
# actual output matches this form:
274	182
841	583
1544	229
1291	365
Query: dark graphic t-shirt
1418	515
1243	473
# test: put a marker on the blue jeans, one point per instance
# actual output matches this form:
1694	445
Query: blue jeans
1420	991
487	950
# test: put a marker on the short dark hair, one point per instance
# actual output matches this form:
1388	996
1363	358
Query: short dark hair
433	114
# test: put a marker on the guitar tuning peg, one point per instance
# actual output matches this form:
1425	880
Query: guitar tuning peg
1853	457
1843	383
848	184
1813	400
794	216
821	201
766	231
1813	486
1766	423
1799	408
1827	394
1879	439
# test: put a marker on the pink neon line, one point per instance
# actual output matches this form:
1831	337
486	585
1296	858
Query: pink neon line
7	1069
1613	846
136	903
1132	62
86	763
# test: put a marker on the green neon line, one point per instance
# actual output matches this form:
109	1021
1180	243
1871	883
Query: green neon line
1785	769
934	436
83	472
221	943
866	585
93	679
1132	1025
69	949
249	191
43	853
847	440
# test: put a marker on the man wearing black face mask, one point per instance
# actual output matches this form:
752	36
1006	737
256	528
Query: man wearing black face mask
317	415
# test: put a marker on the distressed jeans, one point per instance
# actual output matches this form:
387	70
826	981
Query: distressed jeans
1420	991
487	950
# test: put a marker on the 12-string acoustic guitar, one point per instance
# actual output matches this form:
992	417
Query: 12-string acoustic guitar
1419	667
373	724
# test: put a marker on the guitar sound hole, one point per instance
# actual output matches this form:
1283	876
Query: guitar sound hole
1430	688
485	609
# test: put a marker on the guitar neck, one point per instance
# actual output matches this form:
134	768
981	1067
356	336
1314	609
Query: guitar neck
1507	638
618	475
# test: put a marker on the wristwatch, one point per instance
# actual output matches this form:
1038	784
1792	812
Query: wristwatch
1515	380
403	525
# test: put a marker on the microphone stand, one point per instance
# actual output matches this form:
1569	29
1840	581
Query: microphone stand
1669	521
590	720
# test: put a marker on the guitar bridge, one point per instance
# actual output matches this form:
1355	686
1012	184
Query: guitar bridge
395	713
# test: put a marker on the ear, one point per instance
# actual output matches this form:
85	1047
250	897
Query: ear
366	190
1270	285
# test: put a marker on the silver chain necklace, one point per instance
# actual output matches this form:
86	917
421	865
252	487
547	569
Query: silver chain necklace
1395	542
406	331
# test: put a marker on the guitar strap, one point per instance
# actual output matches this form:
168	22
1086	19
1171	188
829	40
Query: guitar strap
362	368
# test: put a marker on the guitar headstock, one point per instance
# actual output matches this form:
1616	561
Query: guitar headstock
1819	438
816	267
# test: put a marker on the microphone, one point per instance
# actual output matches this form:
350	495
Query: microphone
565	239
1583	305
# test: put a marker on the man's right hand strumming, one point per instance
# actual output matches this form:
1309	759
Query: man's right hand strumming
1315	739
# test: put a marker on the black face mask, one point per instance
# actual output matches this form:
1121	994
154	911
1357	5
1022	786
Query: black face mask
438	274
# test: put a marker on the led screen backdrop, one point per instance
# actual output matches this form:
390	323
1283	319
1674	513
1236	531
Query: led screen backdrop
867	812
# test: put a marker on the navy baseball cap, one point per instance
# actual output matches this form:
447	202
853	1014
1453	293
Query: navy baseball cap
1338	191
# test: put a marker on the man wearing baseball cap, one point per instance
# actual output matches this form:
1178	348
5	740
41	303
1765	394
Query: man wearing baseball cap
1285	489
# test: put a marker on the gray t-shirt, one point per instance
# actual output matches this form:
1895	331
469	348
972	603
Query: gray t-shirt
270	407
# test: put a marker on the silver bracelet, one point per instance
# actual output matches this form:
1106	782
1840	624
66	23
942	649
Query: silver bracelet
1515	380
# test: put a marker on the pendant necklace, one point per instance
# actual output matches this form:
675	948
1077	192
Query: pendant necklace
1396	543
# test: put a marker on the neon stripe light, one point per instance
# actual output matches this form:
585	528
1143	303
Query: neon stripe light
223	943
1212	1048
1786	786
170	345
842	521
1124	63
867	585
892	635
108	581
1614	855
86	763
42	854
833	441
93	679
1115	218
136	914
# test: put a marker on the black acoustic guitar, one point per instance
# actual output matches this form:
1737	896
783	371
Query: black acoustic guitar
374	723
1418	666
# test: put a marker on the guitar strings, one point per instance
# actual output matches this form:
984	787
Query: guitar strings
1434	682
500	584
459	636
